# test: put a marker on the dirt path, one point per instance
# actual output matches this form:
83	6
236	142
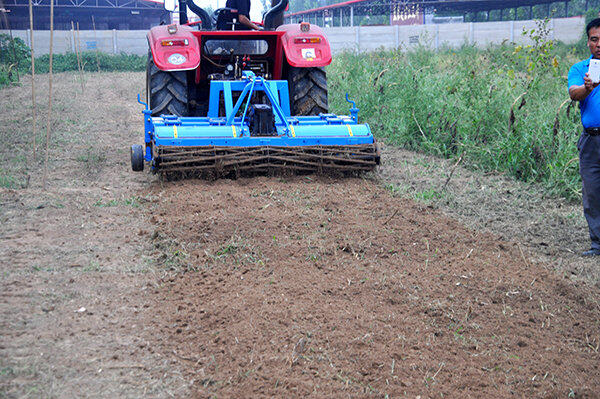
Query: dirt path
278	287
76	266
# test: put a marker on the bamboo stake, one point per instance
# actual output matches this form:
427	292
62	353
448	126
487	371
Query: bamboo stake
34	144
49	121
76	45
96	40
80	55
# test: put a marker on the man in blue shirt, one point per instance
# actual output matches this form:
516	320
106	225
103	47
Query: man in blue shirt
584	90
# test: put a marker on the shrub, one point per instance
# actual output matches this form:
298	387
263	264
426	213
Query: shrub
14	58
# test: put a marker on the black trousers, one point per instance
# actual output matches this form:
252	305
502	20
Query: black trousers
589	168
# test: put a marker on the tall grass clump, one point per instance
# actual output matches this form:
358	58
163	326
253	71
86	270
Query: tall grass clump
504	108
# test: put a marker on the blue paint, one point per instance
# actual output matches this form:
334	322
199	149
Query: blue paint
232	130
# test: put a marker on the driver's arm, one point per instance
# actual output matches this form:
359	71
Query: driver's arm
246	22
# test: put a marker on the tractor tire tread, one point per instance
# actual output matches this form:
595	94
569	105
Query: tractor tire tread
308	89
168	92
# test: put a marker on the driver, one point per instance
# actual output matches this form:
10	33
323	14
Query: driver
225	19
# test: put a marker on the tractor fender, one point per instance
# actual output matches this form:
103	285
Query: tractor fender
161	53
305	54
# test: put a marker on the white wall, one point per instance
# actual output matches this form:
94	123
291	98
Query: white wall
358	38
369	38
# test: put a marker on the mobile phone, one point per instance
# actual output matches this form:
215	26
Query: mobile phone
594	70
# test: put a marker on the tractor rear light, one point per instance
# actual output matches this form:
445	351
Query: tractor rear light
301	40
172	29
178	42
304	26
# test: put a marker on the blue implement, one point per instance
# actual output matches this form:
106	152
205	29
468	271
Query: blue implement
257	133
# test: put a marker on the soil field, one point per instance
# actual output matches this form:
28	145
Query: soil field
395	284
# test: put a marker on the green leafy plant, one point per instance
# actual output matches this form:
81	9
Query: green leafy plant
14	56
538	57
497	109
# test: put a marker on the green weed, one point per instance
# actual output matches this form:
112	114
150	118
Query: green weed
93	266
502	109
8	181
37	268
102	204
238	251
428	195
131	201
92	157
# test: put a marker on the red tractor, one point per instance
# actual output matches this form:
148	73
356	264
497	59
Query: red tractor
184	59
199	78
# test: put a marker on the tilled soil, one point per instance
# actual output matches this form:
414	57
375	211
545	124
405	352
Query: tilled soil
314	287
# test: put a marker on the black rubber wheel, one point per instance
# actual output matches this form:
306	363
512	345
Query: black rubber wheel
137	158
167	92
308	91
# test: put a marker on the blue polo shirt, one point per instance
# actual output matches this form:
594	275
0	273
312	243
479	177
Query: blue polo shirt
590	106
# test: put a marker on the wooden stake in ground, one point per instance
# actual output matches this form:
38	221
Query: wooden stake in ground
33	141
76	45
96	40
49	121
80	57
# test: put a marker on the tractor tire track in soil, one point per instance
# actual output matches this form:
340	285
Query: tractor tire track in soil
315	287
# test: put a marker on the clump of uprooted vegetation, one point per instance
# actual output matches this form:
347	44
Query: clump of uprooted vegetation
503	108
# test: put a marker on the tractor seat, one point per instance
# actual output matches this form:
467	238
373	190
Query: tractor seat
223	19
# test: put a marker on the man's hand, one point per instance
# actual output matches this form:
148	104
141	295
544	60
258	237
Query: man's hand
579	93
588	82
245	21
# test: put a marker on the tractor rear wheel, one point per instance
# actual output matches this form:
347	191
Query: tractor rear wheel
167	91
308	91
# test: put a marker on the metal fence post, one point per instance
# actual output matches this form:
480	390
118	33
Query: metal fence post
437	36
471	33
72	40
396	36
357	39
512	31
114	37
352	16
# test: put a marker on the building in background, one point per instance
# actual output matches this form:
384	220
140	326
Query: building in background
107	14
416	12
